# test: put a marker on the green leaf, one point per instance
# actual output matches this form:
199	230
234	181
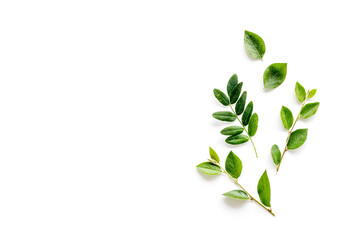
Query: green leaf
224	116
253	124
286	117
297	138
312	93
237	194
209	168
309	110
235	93
275	75
275	154
240	105
263	189
237	139
233	165
232	130
213	155
247	113
223	99
254	45
300	92
233	81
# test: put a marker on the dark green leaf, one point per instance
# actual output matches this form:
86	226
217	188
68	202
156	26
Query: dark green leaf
247	113
233	81
253	124
209	168
312	93
213	155
240	105
237	194
235	93
254	45
224	116
237	139
297	138
223	99
275	154
309	110
232	130
233	165
275	75
300	92
263	189
286	117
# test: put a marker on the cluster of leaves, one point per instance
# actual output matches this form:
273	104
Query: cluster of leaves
233	168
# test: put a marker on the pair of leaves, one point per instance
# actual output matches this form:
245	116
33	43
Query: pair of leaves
307	111
274	75
234	88
235	135
208	167
301	93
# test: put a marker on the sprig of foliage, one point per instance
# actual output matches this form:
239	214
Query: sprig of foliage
247	119
298	137
233	169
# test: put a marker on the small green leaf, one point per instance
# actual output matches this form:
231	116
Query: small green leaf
233	165
224	116
247	113
240	105
237	194
253	124
286	117
254	45
232	130
275	75
223	99
233	81
309	110
235	93
275	154
263	189
312	93
297	138
300	92
209	168
213	155
237	139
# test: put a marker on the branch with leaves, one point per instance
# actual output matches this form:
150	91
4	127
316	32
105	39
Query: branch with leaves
233	168
248	118
298	137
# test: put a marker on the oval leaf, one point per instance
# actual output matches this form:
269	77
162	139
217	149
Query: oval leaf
254	45
300	92
237	139
233	165
240	105
297	138
233	81
253	124
232	130
235	93
312	93
263	189
223	99
275	154
237	194
209	168
213	155
247	113
275	75
224	116
309	110
286	117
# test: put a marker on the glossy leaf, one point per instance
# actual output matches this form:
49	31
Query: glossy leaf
286	117
253	124
240	105
209	168
233	81
233	165
224	116
247	113
232	130
297	138
237	194
237	139
309	110
263	189
300	92
312	93
275	75
235	93
254	45
275	154
213	155
221	97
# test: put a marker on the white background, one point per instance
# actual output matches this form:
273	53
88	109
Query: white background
105	110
